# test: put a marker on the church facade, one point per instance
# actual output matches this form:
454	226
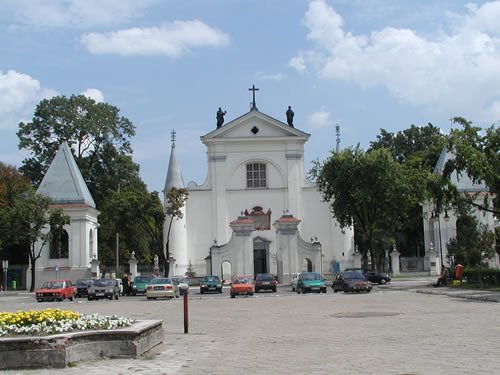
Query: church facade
256	211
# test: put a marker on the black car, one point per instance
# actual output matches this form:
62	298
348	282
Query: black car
351	281
378	277
104	288
265	281
82	287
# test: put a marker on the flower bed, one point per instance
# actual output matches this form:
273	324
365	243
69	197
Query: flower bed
54	321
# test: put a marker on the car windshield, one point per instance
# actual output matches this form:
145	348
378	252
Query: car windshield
242	280
161	281
264	277
103	282
211	278
84	283
142	280
311	276
354	275
53	284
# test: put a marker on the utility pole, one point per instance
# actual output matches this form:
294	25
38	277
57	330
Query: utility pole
117	253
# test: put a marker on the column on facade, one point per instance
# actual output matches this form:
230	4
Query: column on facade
287	246
243	246
295	170
217	171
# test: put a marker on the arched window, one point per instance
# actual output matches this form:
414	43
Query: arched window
256	175
59	245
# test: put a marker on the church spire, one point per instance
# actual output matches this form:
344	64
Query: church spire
174	176
337	131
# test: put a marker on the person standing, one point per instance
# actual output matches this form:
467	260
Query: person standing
126	285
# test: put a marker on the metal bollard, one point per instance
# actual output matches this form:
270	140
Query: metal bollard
186	320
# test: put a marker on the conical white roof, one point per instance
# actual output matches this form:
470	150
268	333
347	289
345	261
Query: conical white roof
174	177
64	182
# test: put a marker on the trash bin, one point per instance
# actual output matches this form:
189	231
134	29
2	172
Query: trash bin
14	284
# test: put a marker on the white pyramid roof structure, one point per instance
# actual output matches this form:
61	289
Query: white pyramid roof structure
64	182
174	176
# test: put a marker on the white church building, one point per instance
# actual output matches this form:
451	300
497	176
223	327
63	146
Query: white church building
256	211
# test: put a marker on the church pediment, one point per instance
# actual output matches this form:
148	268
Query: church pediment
255	125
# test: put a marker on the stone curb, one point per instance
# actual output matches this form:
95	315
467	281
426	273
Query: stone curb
472	295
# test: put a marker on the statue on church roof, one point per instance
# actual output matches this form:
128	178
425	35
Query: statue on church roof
220	117
289	116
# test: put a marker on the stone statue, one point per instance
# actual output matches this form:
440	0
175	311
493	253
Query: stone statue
289	116
220	117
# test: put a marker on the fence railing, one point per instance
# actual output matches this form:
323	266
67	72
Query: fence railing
411	264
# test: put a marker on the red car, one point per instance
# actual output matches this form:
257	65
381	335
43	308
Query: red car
56	290
241	285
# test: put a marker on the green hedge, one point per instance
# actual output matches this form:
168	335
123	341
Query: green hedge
484	276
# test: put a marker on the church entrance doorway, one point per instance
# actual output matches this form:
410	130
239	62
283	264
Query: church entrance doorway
260	255
308	265
226	270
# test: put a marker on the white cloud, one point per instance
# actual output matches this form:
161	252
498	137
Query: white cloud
95	94
19	94
454	73
172	40
73	13
319	119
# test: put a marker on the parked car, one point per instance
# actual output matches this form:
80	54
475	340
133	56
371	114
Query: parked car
311	282
265	281
162	287
104	288
139	284
211	283
351	281
82	287
182	284
241	285
293	281
378	277
56	290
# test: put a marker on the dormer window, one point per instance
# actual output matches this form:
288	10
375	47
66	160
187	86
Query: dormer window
256	175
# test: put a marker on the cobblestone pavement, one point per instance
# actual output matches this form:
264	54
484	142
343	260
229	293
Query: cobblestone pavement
383	332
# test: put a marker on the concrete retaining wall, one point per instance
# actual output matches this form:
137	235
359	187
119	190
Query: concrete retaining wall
59	350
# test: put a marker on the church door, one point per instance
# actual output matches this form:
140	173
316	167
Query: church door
259	261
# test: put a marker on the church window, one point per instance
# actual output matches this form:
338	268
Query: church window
256	175
59	246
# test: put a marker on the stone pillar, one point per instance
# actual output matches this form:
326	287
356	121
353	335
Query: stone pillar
356	257
431	259
287	246
94	268
243	247
395	262
133	266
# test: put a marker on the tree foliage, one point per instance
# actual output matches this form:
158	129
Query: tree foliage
474	242
175	200
90	129
476	154
371	191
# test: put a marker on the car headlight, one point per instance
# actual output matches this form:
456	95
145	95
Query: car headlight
109	290
322	285
219	285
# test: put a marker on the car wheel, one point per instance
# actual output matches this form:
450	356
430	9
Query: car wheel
335	290
323	290
39	300
71	298
250	294
256	290
201	291
110	297
274	290
293	289
298	290
220	291
368	291
382	281
117	296
89	299
232	295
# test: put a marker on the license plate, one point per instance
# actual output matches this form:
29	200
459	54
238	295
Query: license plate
315	288
266	283
158	288
211	288
100	294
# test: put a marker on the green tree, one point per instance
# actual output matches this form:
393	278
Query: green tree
474	242
371	191
418	148
28	218
475	154
138	211
176	199
90	129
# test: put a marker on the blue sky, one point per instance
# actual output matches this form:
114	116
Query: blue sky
364	64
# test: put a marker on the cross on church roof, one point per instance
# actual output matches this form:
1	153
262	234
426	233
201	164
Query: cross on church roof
253	88
172	138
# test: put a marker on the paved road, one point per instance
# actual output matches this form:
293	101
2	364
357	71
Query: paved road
392	330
